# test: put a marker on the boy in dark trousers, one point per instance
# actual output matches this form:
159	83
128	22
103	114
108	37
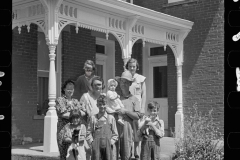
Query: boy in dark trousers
102	132
151	129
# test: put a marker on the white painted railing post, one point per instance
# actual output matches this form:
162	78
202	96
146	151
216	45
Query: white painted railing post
179	114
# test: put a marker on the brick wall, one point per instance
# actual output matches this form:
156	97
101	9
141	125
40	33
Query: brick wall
24	85
118	63
203	67
172	87
137	54
76	49
150	4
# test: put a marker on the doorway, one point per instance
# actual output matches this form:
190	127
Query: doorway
105	59
155	71
158	85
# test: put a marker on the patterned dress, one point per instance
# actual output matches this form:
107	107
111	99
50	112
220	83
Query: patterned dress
62	107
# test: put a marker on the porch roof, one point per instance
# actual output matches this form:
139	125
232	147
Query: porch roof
126	9
126	21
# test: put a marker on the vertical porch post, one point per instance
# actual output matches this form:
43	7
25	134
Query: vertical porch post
179	113
50	120
52	35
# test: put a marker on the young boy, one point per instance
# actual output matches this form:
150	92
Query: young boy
102	132
113	101
151	129
75	133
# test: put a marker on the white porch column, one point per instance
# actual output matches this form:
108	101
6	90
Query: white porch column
50	120
179	113
52	36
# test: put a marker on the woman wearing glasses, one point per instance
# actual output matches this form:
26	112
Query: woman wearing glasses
64	105
82	85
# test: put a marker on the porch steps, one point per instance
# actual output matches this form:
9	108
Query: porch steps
32	157
32	151
35	151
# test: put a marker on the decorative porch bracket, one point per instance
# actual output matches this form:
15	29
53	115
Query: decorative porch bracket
52	36
127	44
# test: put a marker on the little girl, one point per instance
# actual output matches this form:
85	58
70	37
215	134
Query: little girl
75	134
151	129
113	101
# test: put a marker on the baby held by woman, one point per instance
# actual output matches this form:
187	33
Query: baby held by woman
113	99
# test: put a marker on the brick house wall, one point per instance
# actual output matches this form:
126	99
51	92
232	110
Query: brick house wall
203	66
172	87
76	49
137	54
118	63
24	85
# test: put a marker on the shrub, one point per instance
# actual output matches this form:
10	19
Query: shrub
202	140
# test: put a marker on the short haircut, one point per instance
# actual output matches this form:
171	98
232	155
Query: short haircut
69	81
90	62
99	79
102	99
75	113
132	60
153	104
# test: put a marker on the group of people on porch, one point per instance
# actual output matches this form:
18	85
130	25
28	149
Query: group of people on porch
105	126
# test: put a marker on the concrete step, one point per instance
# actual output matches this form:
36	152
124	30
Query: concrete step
35	151
32	157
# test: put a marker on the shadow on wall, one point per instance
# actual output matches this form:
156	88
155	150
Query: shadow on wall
199	42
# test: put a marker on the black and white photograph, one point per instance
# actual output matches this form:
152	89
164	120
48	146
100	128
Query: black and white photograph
122	79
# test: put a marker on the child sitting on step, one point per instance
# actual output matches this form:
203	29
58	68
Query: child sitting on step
151	129
75	134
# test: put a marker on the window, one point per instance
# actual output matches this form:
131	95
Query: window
156	51
100	49
160	82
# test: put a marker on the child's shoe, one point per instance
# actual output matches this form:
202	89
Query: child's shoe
120	121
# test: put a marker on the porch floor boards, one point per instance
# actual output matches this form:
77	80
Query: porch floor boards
35	151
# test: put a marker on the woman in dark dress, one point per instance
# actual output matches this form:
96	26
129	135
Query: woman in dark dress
82	85
64	105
